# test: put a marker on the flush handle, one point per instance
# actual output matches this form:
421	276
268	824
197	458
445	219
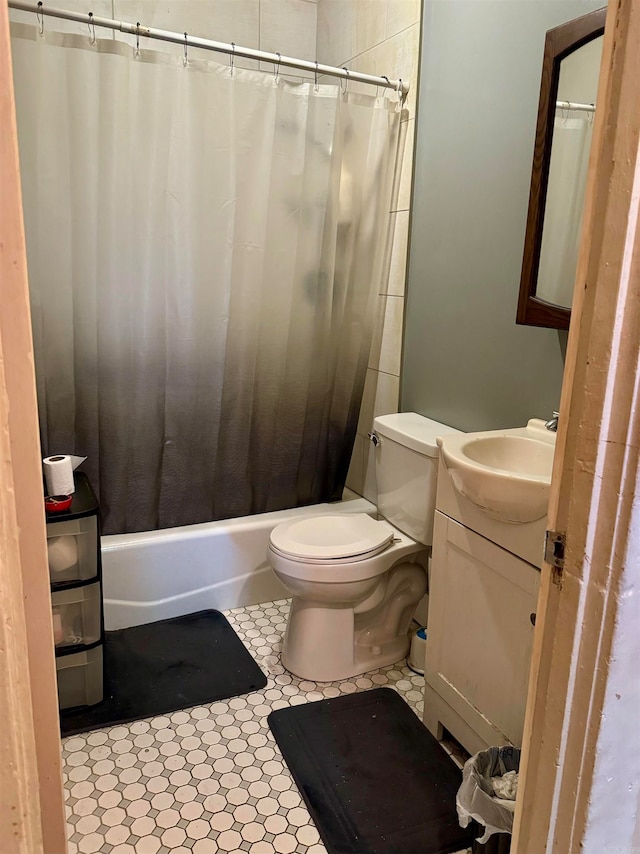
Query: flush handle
374	438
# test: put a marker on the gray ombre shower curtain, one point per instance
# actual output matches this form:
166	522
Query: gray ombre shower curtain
205	251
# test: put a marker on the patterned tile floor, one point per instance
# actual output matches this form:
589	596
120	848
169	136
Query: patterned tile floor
211	778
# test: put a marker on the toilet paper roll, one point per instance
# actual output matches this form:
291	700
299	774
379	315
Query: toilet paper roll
58	471
63	554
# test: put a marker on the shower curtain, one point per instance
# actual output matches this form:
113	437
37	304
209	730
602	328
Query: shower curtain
205	250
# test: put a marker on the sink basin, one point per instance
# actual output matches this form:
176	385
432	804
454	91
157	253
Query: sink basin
506	473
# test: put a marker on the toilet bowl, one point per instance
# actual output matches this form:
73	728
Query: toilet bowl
355	581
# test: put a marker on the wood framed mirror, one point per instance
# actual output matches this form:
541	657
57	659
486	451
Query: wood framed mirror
570	71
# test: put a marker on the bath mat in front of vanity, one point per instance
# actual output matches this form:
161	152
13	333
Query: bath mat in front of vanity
373	777
162	667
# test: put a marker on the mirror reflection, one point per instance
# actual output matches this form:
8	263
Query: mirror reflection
571	144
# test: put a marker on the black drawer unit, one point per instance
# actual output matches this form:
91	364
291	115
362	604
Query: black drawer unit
75	573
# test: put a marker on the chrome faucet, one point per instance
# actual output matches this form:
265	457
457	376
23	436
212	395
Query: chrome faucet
552	423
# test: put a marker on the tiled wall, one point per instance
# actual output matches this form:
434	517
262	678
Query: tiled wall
379	37
284	26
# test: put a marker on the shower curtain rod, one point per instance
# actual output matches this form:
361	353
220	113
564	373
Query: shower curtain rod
232	49
570	105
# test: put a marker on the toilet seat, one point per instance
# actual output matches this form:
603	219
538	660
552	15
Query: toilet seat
326	539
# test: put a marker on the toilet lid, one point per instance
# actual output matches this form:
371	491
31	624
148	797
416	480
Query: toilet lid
331	537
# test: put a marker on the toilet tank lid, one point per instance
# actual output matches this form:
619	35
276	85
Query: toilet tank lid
413	431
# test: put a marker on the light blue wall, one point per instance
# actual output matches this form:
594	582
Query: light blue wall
466	362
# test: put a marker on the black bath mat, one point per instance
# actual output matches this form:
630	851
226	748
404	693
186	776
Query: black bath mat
373	777
169	665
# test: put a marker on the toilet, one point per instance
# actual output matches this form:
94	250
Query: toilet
355	581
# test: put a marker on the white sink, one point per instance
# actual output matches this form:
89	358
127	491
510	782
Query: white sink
506	473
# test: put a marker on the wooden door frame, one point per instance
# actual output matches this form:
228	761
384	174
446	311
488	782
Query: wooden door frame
584	692
32	802
574	794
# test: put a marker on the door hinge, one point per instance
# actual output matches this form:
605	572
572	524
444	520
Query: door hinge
554	542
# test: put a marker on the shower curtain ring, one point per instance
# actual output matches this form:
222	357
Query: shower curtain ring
232	57
185	58
138	38
564	112
40	17
276	68
92	30
346	85
315	77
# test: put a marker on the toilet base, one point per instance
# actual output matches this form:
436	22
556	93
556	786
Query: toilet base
315	640
325	643
335	670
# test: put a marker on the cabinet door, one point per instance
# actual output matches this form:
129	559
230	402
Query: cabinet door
480	632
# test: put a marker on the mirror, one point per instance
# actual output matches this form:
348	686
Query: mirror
570	72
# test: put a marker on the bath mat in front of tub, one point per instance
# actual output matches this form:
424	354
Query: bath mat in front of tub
162	667
373	777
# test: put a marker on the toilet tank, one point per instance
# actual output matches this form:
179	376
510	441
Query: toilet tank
406	471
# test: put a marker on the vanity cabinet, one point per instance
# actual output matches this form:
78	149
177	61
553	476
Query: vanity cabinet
482	604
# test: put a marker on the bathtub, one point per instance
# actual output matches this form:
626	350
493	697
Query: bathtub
159	574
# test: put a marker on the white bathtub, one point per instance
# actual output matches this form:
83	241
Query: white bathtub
159	574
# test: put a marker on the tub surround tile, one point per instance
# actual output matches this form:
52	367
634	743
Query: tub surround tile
402	198
395	57
399	254
369	24
336	20
349	28
381	393
369	488
401	14
288	27
386	348
381	397
100	8
285	26
355	475
221	20
211	778
405	143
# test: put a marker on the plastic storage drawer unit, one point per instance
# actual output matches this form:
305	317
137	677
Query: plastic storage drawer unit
75	574
71	548
76	615
80	680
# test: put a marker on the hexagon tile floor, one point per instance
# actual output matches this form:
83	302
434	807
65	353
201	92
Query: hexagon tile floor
211	778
